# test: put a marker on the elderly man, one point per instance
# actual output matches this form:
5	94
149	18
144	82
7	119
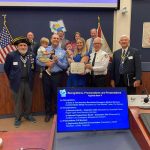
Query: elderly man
99	61
19	67
33	47
126	67
50	82
89	42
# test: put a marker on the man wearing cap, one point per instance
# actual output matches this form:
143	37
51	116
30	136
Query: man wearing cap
19	67
53	81
98	65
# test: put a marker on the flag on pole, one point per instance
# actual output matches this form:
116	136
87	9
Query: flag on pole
105	47
5	42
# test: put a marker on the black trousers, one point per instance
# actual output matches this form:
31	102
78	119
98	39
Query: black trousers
98	80
130	89
22	100
50	85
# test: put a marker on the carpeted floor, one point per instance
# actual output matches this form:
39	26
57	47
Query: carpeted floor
7	124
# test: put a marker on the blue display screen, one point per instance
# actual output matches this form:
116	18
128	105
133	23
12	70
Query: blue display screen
82	109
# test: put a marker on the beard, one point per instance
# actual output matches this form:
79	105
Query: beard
22	52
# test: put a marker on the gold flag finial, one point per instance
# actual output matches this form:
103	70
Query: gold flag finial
4	15
98	19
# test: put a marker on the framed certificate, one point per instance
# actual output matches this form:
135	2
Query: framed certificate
146	35
77	68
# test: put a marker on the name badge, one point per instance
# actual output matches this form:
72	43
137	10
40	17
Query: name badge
15	63
130	57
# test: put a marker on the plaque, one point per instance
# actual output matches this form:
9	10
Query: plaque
77	68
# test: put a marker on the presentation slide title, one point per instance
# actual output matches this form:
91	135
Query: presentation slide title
61	3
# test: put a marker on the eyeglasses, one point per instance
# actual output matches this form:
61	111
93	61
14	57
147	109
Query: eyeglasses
96	43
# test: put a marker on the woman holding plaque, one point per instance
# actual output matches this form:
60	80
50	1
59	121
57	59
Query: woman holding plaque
76	75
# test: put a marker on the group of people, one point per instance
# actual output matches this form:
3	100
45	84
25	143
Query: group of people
55	61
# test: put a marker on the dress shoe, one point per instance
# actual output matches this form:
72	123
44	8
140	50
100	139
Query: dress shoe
30	118
47	118
17	123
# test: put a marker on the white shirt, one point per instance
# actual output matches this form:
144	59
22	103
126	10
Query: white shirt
101	62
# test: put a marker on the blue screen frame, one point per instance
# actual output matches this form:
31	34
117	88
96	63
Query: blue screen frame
115	4
92	109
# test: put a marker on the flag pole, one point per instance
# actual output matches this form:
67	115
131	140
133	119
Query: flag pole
99	31
98	20
4	18
101	35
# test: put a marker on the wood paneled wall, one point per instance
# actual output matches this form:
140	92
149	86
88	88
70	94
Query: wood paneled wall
6	101
145	83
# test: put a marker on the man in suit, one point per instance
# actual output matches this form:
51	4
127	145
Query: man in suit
63	41
20	67
33	47
126	67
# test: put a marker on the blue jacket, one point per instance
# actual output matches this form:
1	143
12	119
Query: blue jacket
13	69
132	64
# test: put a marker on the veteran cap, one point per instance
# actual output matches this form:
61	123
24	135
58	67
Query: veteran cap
21	39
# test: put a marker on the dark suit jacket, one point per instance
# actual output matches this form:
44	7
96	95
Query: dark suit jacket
34	47
63	44
132	64
13	69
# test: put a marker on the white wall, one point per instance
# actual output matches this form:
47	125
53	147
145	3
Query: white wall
122	22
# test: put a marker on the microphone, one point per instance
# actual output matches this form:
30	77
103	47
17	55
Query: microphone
146	99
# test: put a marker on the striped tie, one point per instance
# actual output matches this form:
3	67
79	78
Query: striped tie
121	67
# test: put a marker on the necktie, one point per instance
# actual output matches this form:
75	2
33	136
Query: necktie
124	53
91	46
93	62
32	46
121	67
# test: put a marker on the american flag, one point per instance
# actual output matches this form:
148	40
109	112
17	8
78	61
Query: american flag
5	44
105	47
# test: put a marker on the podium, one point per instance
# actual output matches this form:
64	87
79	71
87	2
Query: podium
137	127
96	139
